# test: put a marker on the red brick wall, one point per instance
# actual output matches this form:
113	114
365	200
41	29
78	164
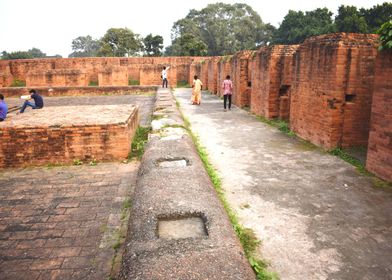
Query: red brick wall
379	157
77	91
22	146
327	68
213	74
224	69
113	76
271	79
151	75
241	78
61	77
194	69
204	73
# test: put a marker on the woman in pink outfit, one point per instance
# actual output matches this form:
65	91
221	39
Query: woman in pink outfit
227	87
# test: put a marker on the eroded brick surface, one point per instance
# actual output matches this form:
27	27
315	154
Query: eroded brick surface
62	223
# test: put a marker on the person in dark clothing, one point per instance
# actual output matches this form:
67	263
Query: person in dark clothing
38	101
3	108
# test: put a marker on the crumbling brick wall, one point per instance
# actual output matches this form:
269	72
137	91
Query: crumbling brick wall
194	69
271	81
241	78
113	76
332	89
213	74
204	73
26	145
61	77
224	69
379	156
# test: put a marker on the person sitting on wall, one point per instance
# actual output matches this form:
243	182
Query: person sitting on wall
38	101
164	76
3	108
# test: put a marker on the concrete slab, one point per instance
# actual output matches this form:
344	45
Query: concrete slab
316	216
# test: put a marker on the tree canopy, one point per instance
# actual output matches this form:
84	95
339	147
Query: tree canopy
85	46
32	53
153	45
222	28
120	42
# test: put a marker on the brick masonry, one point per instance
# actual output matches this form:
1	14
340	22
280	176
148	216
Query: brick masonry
63	134
78	91
379	157
332	89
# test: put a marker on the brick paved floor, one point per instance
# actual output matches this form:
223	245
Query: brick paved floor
145	102
63	222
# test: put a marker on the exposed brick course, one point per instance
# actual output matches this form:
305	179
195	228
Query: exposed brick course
63	134
327	69
379	157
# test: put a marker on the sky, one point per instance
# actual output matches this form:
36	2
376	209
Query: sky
51	25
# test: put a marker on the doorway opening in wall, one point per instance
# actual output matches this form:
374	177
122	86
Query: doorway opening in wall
284	89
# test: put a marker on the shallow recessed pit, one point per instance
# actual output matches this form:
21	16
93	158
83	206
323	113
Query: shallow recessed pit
184	227
172	162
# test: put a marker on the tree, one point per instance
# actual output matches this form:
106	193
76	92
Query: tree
120	42
36	53
153	45
377	15
223	28
385	32
297	26
84	47
349	19
187	45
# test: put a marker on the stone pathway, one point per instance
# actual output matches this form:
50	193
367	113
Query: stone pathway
63	222
316	216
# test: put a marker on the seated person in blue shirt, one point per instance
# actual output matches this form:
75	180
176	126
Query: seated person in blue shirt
3	108
38	101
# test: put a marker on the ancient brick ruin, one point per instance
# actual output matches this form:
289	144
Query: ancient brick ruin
327	87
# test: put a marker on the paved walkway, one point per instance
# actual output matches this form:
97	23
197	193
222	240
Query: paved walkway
316	216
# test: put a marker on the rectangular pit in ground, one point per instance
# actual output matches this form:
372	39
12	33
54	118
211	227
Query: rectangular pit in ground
191	226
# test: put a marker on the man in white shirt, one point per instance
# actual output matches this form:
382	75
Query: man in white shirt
164	76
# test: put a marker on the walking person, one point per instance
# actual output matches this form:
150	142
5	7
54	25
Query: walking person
227	87
197	87
164	76
3	108
38	101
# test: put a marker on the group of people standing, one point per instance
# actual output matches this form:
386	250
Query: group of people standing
197	87
33	94
227	87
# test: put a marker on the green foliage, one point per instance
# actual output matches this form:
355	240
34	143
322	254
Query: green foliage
133	82
183	84
85	46
139	140
349	19
32	53
297	26
119	42
219	29
153	45
377	15
18	83
385	32
93	84
77	162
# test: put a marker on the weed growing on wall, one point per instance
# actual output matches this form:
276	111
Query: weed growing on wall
133	82
93	84
18	83
139	140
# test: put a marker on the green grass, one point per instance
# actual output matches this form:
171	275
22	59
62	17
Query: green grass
246	236
93	84
279	124
183	84
139	140
133	82
18	83
361	168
